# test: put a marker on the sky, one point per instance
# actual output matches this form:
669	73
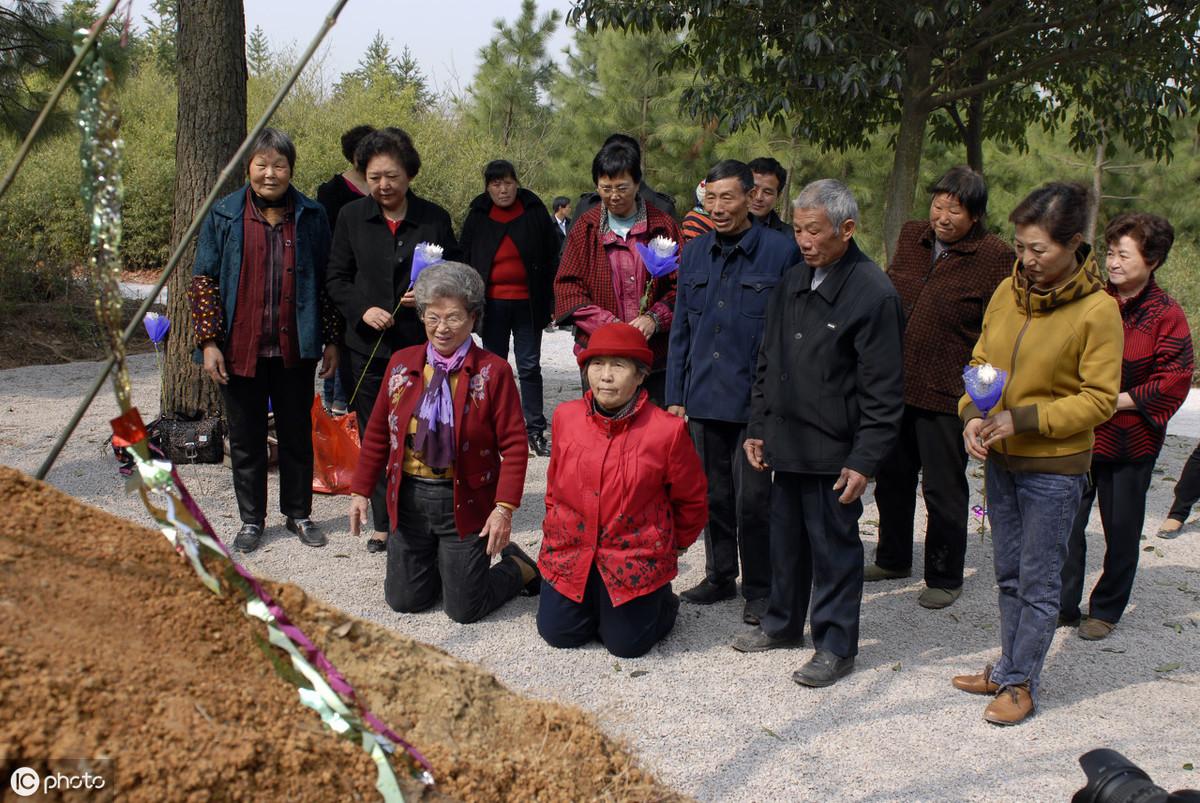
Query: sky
444	35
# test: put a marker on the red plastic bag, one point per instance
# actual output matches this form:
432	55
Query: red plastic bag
335	450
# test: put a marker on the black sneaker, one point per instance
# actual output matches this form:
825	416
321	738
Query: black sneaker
538	445
248	537
308	531
707	592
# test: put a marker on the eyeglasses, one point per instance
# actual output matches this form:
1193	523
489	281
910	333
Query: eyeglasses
452	321
609	190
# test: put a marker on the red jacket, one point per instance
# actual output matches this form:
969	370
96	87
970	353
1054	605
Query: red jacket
623	495
489	435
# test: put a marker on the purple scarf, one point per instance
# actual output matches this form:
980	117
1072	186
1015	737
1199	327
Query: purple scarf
435	416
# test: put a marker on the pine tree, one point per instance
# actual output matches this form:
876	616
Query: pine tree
162	34
612	83
376	69
409	75
507	95
32	43
259	59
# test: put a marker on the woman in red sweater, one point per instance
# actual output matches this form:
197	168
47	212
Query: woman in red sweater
512	240
625	495
446	426
1156	373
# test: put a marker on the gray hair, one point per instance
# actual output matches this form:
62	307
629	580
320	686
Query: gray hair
832	196
452	280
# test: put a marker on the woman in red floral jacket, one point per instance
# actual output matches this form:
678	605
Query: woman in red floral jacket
447	426
624	495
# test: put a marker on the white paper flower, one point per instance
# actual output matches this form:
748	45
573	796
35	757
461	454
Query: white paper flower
431	252
987	373
663	247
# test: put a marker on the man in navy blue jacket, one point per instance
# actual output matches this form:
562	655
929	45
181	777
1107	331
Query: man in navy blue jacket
725	278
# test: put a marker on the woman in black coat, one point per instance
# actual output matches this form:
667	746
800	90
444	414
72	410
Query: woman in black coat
510	238
369	273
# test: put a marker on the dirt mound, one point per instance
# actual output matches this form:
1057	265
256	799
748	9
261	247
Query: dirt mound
110	647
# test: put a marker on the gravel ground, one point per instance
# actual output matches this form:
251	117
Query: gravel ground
724	726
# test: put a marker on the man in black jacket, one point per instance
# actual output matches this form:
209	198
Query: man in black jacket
512	241
824	412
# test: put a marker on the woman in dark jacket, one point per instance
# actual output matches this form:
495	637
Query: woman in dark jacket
1156	373
945	270
510	238
262	321
625	495
370	270
344	187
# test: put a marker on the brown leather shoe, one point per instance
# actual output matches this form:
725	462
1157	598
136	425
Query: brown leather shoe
977	684
1095	629
1012	706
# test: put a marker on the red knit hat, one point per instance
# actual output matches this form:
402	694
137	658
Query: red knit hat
617	340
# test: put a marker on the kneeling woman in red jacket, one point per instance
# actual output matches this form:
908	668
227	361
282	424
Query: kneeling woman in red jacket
447	428
624	495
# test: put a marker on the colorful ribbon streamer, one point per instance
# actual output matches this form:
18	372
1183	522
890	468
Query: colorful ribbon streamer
321	687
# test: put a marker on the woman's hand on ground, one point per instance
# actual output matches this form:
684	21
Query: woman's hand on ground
497	530
214	362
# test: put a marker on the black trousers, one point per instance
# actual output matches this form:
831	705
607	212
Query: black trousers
738	508
1122	489
931	445
627	631
817	558
290	391
426	557
502	317
363	404
1187	490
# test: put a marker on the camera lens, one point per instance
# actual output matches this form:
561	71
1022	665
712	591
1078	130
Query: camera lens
1112	778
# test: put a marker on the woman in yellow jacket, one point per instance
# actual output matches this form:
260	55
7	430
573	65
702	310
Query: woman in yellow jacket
1058	336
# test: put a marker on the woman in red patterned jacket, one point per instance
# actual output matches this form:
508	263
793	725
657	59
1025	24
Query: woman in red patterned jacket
1156	373
624	495
448	428
601	277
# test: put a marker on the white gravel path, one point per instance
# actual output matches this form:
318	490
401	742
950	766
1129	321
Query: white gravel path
719	725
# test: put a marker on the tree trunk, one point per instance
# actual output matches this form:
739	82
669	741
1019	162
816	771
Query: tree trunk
910	141
210	125
1093	213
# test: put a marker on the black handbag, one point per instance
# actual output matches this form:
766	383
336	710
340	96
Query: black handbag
198	441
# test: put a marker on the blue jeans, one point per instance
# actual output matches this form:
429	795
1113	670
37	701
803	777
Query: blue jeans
501	317
1031	516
